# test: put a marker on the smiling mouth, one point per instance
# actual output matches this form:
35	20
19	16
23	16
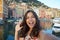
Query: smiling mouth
31	23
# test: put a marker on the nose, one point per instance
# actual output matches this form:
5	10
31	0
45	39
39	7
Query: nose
30	19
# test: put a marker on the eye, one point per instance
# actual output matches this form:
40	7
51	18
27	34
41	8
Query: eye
27	17
33	17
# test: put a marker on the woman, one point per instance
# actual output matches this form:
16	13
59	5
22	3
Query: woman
30	29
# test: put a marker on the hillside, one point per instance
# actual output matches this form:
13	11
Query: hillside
33	2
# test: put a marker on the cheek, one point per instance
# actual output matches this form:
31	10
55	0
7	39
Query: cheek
34	20
26	21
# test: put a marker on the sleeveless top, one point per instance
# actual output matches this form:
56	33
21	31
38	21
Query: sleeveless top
29	38
43	36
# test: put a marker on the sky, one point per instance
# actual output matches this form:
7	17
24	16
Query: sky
51	3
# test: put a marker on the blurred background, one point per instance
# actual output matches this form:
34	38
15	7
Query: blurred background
12	12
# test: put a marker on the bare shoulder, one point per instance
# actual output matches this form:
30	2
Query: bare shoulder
47	36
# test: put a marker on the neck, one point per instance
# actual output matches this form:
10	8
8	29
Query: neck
29	31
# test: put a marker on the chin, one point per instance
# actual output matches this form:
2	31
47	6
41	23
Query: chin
31	26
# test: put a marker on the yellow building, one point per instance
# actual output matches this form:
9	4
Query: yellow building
42	12
56	12
23	6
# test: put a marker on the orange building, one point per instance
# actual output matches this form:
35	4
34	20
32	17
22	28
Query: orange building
1	8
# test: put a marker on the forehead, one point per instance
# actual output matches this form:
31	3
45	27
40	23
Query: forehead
30	14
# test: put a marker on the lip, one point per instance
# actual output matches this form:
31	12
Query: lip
31	23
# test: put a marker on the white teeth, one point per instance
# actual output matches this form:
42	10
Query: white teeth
31	23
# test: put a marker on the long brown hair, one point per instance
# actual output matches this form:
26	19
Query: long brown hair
36	29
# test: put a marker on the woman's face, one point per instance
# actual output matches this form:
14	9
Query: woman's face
30	20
